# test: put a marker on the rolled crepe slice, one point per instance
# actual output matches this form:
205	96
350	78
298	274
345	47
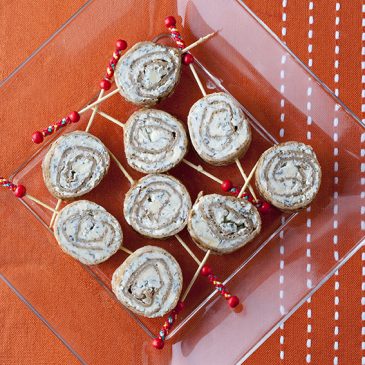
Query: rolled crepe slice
157	206
149	282
148	73
75	164
87	232
223	224
154	141
219	130
288	175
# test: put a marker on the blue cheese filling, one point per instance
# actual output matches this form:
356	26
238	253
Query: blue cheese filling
157	206
87	232
154	141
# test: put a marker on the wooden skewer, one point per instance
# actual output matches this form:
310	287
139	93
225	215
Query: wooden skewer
238	163
197	79
124	171
124	249
248	180
187	248
59	202
195	276
200	169
199	41
30	197
97	102
94	111
110	118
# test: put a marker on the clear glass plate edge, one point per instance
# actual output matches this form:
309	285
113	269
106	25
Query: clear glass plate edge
328	276
302	64
340	263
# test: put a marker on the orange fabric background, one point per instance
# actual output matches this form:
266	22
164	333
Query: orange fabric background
25	340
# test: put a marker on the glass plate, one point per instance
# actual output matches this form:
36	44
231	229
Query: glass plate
270	275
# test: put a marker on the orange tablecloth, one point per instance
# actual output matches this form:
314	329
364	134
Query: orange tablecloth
24	339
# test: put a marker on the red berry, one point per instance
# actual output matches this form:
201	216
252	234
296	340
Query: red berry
170	21
105	84
206	270
179	307
37	137
20	191
157	343
226	185
74	117
265	207
121	45
187	59
233	301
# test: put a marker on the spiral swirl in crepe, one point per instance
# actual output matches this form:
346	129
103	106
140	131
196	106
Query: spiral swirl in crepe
157	206
219	130
149	282
87	232
74	165
288	175
148	72
154	141
223	224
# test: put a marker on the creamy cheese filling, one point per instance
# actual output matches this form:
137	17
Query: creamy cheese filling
149	282
154	141
148	72
157	206
218	128
222	223
75	164
290	174
87	232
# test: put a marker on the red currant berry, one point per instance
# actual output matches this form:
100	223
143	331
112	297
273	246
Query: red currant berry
206	270
226	185
20	191
179	307
170	21
37	137
233	301
74	117
265	207
157	343
105	84
187	59
121	45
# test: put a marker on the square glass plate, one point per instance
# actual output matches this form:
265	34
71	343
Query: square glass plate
270	275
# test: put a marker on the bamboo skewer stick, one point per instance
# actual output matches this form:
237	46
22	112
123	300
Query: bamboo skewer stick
30	197
115	91
97	102
110	118
197	79
59	202
248	180
238	163
124	171
94	112
199	41
202	263
200	169
124	249
187	248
